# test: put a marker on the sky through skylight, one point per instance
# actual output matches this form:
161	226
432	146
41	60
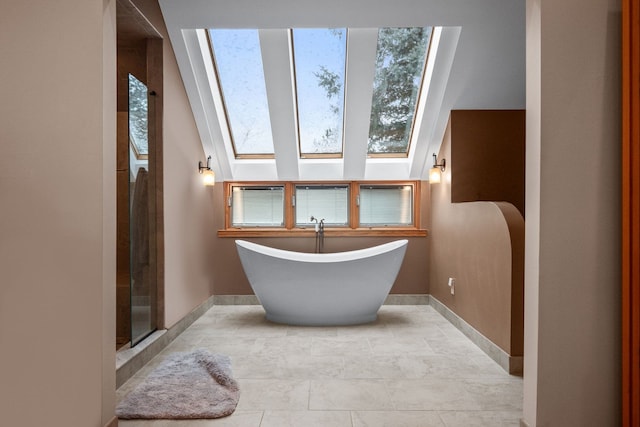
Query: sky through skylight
320	56
239	66
319	65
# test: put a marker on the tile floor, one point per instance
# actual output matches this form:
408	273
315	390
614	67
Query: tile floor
411	368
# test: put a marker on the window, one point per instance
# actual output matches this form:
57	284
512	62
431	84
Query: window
400	61
323	202
257	206
238	64
138	118
348	208
318	65
386	205
319	59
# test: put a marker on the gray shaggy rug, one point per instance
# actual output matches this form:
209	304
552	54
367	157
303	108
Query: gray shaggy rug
184	386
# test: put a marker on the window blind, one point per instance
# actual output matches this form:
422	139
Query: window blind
330	203
257	207
382	205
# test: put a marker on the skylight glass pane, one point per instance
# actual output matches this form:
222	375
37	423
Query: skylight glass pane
400	61
239	66
320	56
138	116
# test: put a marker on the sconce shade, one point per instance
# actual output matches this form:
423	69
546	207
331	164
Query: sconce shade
208	177
435	172
434	175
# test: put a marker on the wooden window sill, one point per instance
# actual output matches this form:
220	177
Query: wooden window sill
302	232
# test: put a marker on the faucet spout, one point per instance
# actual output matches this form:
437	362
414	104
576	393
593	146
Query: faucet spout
317	226
319	234
321	237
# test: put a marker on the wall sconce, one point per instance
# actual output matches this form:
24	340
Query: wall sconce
436	171
208	177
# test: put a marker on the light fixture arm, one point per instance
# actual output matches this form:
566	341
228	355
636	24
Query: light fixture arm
441	165
208	176
207	167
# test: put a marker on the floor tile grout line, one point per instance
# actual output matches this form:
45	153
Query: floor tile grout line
421	324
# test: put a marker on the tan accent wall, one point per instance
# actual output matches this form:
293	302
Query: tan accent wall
230	279
489	165
481	246
189	206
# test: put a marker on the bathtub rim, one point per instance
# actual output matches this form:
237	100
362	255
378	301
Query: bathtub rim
323	257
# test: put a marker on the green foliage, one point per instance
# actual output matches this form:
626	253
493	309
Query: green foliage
332	85
399	65
330	81
138	114
400	61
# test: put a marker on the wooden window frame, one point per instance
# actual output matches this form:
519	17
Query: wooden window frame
290	229
630	213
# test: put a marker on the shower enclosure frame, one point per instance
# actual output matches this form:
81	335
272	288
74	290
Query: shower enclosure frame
140	52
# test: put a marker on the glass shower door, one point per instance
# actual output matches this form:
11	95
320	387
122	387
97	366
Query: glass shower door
143	287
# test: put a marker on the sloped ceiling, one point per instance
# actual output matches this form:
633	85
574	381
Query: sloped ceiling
479	64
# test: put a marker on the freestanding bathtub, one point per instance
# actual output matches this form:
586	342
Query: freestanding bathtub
343	288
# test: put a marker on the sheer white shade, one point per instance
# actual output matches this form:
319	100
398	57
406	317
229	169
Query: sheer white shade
434	175
208	178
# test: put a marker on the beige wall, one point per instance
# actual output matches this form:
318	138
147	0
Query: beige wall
109	216
230	279
481	245
572	273
188	206
57	218
57	229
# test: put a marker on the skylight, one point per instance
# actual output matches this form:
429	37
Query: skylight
480	67
138	117
400	62
241	77
320	56
318	94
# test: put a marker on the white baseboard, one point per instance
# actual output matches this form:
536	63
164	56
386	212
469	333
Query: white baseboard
407	299
235	300
511	364
131	360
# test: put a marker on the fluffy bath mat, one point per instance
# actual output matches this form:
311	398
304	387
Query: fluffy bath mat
184	386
